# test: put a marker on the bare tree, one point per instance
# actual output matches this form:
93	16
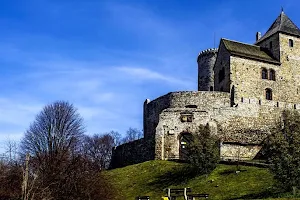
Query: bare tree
53	141
132	134
54	134
117	137
11	150
58	168
98	149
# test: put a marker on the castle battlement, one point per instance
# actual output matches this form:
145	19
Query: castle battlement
207	52
242	91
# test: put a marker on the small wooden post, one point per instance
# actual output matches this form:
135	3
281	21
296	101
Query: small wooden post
185	194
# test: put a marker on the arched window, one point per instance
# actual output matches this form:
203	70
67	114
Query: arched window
268	94
211	88
272	75
264	73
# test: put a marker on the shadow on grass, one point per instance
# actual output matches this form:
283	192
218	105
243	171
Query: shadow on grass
271	193
176	177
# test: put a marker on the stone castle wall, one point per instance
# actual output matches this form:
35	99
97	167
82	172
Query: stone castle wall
247	78
238	113
246	74
289	76
175	104
246	125
235	151
131	153
275	50
202	100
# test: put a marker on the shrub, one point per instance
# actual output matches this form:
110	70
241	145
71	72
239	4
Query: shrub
283	150
203	151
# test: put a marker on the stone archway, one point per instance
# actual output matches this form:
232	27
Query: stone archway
184	140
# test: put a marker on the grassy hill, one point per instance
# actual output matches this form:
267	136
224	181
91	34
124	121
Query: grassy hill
152	177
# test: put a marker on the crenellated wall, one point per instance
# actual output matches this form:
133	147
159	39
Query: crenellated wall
237	110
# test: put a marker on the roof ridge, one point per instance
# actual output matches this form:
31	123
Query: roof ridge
248	50
281	20
241	42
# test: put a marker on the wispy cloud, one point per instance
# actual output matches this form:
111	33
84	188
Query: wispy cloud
17	112
99	72
106	57
148	74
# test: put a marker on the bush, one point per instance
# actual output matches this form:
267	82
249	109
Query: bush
283	150
203	151
10	180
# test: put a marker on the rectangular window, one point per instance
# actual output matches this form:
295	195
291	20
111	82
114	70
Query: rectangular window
186	117
291	43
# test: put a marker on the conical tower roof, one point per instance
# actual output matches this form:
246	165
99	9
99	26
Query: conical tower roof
282	24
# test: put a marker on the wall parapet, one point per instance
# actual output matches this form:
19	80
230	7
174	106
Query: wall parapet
269	103
181	99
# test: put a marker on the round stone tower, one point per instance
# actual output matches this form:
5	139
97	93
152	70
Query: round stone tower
206	61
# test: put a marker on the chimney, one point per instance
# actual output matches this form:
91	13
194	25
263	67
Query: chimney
258	36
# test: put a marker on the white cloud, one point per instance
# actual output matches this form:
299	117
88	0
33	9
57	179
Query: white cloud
147	74
16	112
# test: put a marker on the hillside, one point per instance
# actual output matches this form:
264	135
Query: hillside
152	177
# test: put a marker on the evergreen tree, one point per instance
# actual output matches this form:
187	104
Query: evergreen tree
283	150
204	151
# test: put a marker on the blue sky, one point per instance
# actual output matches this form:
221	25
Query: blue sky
107	57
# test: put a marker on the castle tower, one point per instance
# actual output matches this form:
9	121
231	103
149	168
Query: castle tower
282	40
206	61
280	37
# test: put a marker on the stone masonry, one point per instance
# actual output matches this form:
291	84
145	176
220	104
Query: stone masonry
242	91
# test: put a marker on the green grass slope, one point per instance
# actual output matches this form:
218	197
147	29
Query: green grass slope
152	177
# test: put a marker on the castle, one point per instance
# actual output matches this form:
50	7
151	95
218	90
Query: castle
242	91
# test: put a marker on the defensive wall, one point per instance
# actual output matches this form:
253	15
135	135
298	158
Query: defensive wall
131	153
186	99
255	84
241	128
